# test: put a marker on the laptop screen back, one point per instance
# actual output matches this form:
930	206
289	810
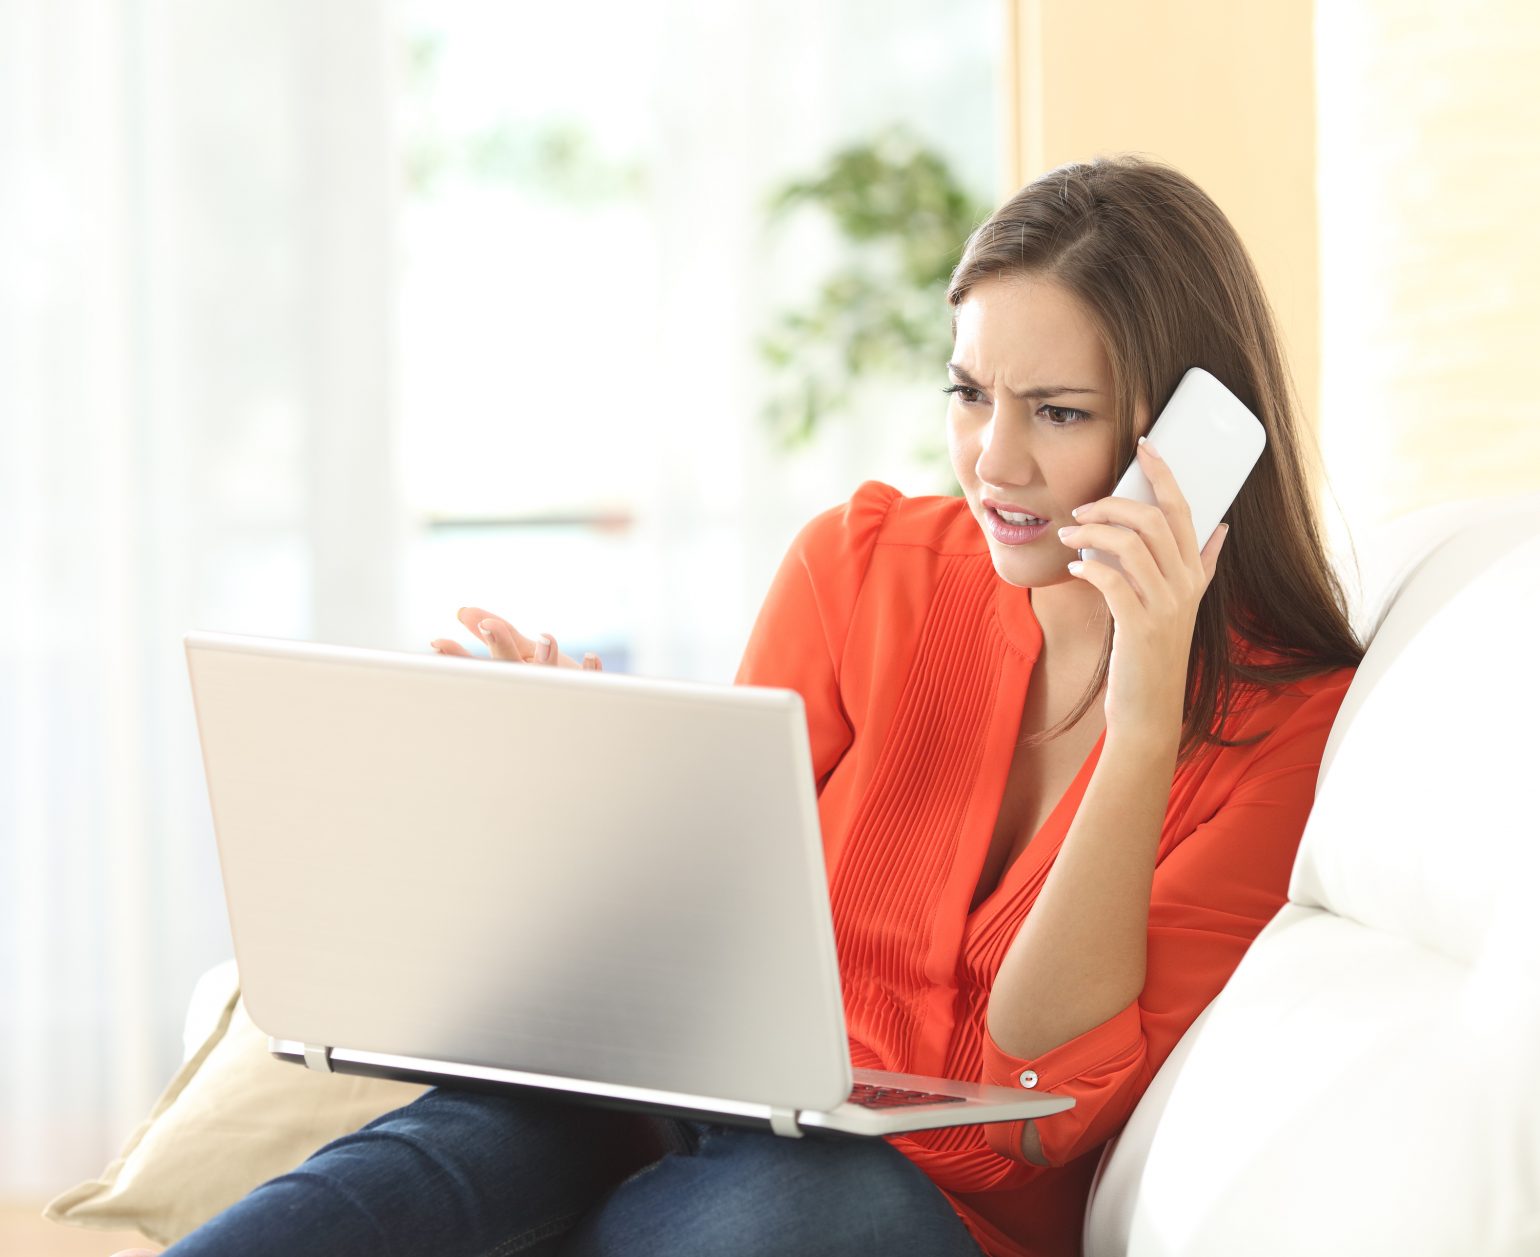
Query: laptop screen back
572	873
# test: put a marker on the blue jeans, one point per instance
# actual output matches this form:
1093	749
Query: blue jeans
462	1173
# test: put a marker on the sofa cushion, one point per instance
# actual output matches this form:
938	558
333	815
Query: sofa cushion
1433	752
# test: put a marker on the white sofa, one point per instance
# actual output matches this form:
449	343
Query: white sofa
1368	1081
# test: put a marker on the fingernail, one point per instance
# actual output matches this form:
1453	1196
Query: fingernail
486	627
543	650
590	660
1075	567
1078	509
1144	441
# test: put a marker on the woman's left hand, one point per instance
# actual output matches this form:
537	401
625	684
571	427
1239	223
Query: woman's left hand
1153	600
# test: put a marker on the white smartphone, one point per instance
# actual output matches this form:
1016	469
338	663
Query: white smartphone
1210	441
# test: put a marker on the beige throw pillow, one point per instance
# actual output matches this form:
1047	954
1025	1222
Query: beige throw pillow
232	1118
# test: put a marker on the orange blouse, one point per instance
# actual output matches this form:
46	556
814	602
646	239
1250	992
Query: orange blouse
913	659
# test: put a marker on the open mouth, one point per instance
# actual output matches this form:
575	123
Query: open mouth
1001	529
1011	514
1017	519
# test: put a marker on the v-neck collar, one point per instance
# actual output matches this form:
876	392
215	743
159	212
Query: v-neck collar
1045	844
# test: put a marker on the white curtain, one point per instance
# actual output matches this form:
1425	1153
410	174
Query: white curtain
195	244
199	428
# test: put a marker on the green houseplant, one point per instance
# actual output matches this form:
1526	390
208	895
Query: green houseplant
881	313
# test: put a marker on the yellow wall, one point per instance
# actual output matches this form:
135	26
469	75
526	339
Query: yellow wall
1220	89
1381	159
1429	178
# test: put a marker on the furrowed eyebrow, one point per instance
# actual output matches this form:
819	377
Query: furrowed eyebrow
1029	395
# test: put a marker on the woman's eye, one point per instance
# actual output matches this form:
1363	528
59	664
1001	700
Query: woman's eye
967	393
1062	416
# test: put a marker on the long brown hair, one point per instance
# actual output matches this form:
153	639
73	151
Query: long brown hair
1170	286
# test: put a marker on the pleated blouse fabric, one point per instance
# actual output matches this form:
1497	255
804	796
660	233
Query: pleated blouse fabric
913	659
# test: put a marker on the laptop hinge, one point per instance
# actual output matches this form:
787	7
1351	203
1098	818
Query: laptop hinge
784	1122
318	1058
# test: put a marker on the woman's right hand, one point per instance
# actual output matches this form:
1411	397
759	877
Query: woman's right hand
507	643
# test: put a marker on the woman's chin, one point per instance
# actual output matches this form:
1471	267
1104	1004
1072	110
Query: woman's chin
1022	576
1027	572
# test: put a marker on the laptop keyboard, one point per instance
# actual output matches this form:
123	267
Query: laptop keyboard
892	1097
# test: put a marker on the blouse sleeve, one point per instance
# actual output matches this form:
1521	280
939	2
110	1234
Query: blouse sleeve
1212	894
798	639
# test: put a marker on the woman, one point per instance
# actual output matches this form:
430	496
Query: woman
1058	800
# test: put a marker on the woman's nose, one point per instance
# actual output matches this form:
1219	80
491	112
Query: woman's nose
1005	453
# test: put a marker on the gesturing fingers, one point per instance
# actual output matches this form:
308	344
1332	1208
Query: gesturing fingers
553	656
505	643
502	639
499	640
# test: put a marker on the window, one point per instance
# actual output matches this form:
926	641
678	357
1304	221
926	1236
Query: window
586	274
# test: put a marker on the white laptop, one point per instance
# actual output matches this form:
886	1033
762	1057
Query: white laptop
482	874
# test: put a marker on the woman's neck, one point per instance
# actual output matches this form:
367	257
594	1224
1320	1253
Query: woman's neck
1073	617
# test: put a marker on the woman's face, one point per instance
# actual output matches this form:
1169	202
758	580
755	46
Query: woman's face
1030	424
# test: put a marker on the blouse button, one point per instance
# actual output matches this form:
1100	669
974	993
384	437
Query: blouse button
1029	1078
